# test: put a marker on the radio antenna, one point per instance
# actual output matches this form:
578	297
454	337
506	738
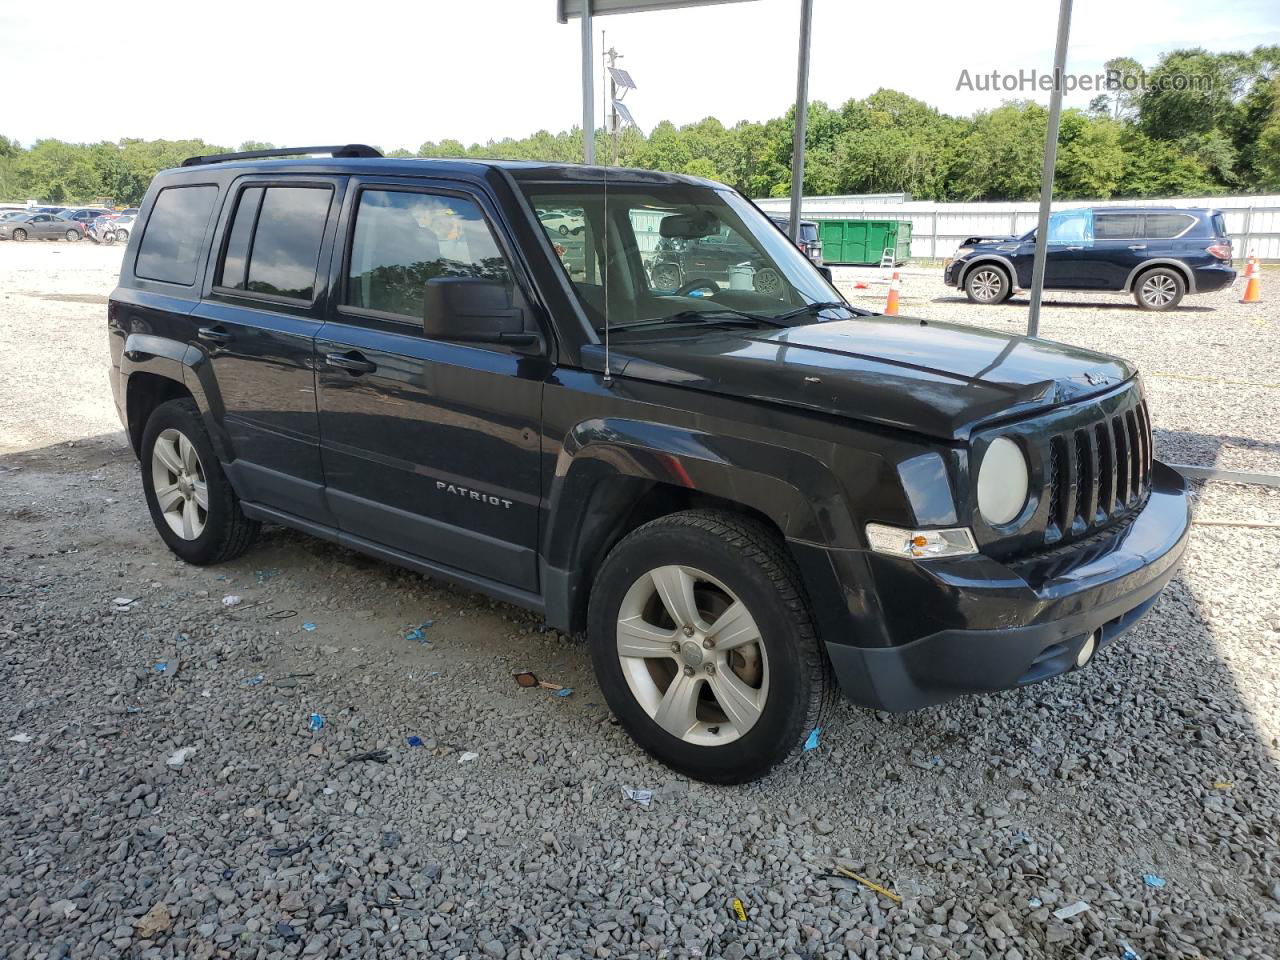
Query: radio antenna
608	376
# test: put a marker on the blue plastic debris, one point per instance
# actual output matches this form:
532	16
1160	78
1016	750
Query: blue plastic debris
308	627
254	681
414	741
1153	880
1129	952
161	666
564	691
1034	902
419	632
812	742
316	721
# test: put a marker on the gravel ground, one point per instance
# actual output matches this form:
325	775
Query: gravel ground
167	797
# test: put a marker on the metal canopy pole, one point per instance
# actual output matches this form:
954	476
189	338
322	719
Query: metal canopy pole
1046	174
588	94
802	115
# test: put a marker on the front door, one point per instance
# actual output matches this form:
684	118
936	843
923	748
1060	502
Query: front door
430	447
257	322
1070	237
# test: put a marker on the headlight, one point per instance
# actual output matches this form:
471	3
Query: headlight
1002	482
920	544
963	252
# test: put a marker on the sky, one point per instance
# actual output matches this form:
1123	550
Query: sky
397	74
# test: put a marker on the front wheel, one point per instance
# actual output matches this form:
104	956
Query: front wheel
192	504
987	284
1159	289
704	646
19	234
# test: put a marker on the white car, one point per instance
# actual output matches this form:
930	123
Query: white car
557	221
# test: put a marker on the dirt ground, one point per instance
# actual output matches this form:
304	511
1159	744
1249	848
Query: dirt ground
1146	786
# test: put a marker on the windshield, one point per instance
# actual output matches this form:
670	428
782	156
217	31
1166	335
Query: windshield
674	253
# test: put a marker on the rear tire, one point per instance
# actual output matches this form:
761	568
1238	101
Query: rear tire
195	511
736	688
1161	288
73	236
987	284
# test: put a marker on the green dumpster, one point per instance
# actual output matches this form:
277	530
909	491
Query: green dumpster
864	241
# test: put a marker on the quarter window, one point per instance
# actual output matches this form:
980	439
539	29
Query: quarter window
174	234
1166	226
404	239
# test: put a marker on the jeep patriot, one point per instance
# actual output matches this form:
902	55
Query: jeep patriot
745	493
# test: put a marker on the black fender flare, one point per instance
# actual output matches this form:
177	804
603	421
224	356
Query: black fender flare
603	462
998	260
184	364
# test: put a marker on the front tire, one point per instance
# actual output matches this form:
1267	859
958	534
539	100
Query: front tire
1159	289
191	501
987	284
19	234
704	645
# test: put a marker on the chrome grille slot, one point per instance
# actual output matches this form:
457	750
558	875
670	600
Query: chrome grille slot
1121	436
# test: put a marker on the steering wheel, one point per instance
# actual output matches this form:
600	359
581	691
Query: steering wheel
700	283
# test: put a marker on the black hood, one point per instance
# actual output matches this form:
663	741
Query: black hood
941	379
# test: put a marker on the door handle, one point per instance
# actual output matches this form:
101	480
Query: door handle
1075	248
1137	246
213	334
353	362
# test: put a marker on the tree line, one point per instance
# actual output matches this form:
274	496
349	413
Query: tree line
1148	137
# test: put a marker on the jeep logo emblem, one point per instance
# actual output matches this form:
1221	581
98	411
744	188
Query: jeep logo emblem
1096	378
479	495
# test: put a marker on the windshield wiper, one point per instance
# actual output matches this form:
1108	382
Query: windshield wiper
722	315
809	308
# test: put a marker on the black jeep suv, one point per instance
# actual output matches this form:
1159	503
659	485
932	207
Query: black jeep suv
736	495
1159	254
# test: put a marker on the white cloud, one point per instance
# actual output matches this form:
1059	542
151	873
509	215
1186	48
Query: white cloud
397	74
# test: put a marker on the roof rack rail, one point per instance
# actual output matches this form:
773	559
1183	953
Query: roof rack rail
343	150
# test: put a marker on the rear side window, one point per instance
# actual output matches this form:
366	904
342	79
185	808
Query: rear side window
275	238
404	239
1117	226
1166	226
174	234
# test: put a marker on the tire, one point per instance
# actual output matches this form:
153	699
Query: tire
214	533
777	681
1161	288
987	284
122	236
666	276
19	234
73	236
564	230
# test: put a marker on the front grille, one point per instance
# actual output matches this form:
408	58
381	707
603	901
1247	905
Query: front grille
1106	475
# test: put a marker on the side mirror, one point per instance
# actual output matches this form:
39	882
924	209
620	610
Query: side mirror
473	310
826	274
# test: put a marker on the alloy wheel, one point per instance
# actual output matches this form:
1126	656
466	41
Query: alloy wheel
1159	291
182	491
692	655
986	285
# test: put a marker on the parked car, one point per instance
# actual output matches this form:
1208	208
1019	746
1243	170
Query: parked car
739	498
724	257
809	242
85	215
560	222
57	210
14	214
1158	254
123	225
40	226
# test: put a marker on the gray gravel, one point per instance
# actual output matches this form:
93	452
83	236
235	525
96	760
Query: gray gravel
985	816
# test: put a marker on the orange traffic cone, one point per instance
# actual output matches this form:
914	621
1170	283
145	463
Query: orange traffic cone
1253	289
1250	266
891	307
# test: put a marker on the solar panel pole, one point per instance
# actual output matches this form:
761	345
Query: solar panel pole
1046	173
588	94
802	115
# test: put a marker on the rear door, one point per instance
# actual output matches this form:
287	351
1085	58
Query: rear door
265	292
430	447
1118	247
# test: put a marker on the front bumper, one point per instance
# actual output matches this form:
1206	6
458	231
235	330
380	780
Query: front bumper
951	272
972	625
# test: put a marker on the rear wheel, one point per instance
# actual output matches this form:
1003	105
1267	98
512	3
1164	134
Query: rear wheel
73	236
666	276
704	646
987	284
192	504
1159	289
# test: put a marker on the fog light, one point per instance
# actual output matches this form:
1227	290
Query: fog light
1087	650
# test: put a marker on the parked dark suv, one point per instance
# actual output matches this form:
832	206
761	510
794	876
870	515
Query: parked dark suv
736	495
1159	254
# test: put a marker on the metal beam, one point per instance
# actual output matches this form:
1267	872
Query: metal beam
588	94
802	116
1050	159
